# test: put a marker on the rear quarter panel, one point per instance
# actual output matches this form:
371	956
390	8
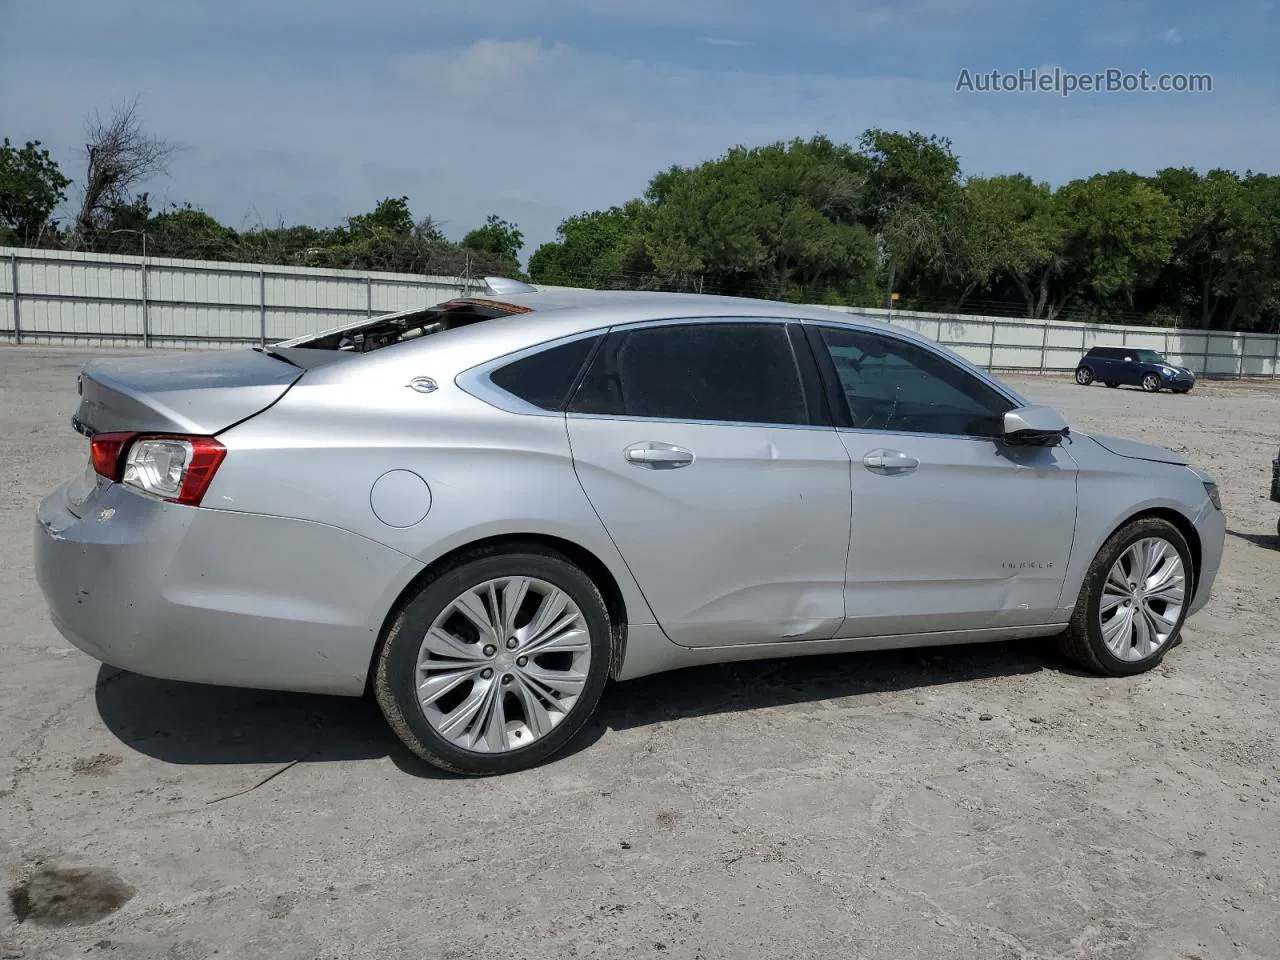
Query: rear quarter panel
317	453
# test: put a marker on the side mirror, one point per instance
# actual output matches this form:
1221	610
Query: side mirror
1034	426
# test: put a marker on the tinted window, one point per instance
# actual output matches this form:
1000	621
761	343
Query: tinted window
544	379
895	385
739	372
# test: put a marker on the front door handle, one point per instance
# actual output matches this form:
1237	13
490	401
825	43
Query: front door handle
889	462
658	456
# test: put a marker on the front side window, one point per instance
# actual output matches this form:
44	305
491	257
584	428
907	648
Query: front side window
898	386
733	371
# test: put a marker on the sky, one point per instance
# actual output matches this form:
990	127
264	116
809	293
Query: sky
312	110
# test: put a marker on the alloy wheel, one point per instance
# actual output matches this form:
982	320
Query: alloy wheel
1151	383
1084	376
503	664
1142	599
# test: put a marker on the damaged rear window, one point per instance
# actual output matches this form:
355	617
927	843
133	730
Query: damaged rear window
390	329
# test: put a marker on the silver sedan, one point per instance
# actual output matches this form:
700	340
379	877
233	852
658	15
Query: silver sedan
483	511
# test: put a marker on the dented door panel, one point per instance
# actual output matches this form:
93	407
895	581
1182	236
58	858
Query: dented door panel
977	535
742	541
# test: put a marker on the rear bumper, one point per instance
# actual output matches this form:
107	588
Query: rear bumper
211	596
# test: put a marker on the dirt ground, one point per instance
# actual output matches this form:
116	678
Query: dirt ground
982	802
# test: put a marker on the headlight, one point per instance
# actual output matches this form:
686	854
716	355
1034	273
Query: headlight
1167	371
1214	497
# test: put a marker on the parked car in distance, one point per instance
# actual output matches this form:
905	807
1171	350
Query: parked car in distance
1130	366
483	511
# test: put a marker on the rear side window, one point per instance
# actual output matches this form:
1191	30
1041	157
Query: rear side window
734	372
545	378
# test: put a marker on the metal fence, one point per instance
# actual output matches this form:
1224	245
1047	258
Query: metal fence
103	299
55	297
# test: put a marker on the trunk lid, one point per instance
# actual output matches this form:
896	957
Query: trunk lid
190	393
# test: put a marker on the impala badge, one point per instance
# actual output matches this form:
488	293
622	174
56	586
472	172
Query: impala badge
422	385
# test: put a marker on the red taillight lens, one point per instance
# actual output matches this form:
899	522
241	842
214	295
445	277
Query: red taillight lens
206	455
174	468
104	453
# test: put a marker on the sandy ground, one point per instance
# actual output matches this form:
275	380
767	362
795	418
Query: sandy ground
983	802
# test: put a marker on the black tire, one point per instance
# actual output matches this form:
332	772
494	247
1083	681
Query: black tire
1082	642
395	670
1112	384
1084	376
1151	383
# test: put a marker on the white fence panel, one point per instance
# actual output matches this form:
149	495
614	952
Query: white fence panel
101	299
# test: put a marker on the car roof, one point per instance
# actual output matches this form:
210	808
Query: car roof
656	305
535	317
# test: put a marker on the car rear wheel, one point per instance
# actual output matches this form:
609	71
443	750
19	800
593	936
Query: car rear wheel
495	665
1151	383
1084	376
1133	602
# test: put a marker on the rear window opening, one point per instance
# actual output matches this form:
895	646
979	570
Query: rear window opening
390	329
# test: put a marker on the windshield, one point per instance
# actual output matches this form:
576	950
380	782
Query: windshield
1150	356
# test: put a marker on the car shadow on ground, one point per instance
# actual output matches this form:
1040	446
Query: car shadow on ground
1271	540
187	723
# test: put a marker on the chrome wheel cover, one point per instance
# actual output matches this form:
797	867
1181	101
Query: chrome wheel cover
1142	599
503	664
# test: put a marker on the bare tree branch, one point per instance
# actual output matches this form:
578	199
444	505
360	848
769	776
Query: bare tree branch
119	155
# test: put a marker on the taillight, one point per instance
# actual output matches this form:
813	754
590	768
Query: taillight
105	450
174	468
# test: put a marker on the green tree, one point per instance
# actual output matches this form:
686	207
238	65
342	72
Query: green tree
915	204
603	249
31	187
497	237
390	218
780	221
1222	270
1015	235
1120	231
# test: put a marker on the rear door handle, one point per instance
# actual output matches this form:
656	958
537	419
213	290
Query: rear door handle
889	462
658	456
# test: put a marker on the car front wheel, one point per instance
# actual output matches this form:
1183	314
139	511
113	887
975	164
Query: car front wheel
1133	601
1151	383
1084	376
496	664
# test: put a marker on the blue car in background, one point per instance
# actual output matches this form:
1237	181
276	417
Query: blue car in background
1136	368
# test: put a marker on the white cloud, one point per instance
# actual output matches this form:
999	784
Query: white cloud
725	42
1172	37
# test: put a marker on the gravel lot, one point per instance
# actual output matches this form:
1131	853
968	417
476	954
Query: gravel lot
983	802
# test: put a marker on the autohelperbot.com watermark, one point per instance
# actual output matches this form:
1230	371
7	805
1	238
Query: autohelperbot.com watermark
1065	83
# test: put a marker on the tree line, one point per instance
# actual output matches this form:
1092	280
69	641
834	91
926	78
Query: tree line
891	220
